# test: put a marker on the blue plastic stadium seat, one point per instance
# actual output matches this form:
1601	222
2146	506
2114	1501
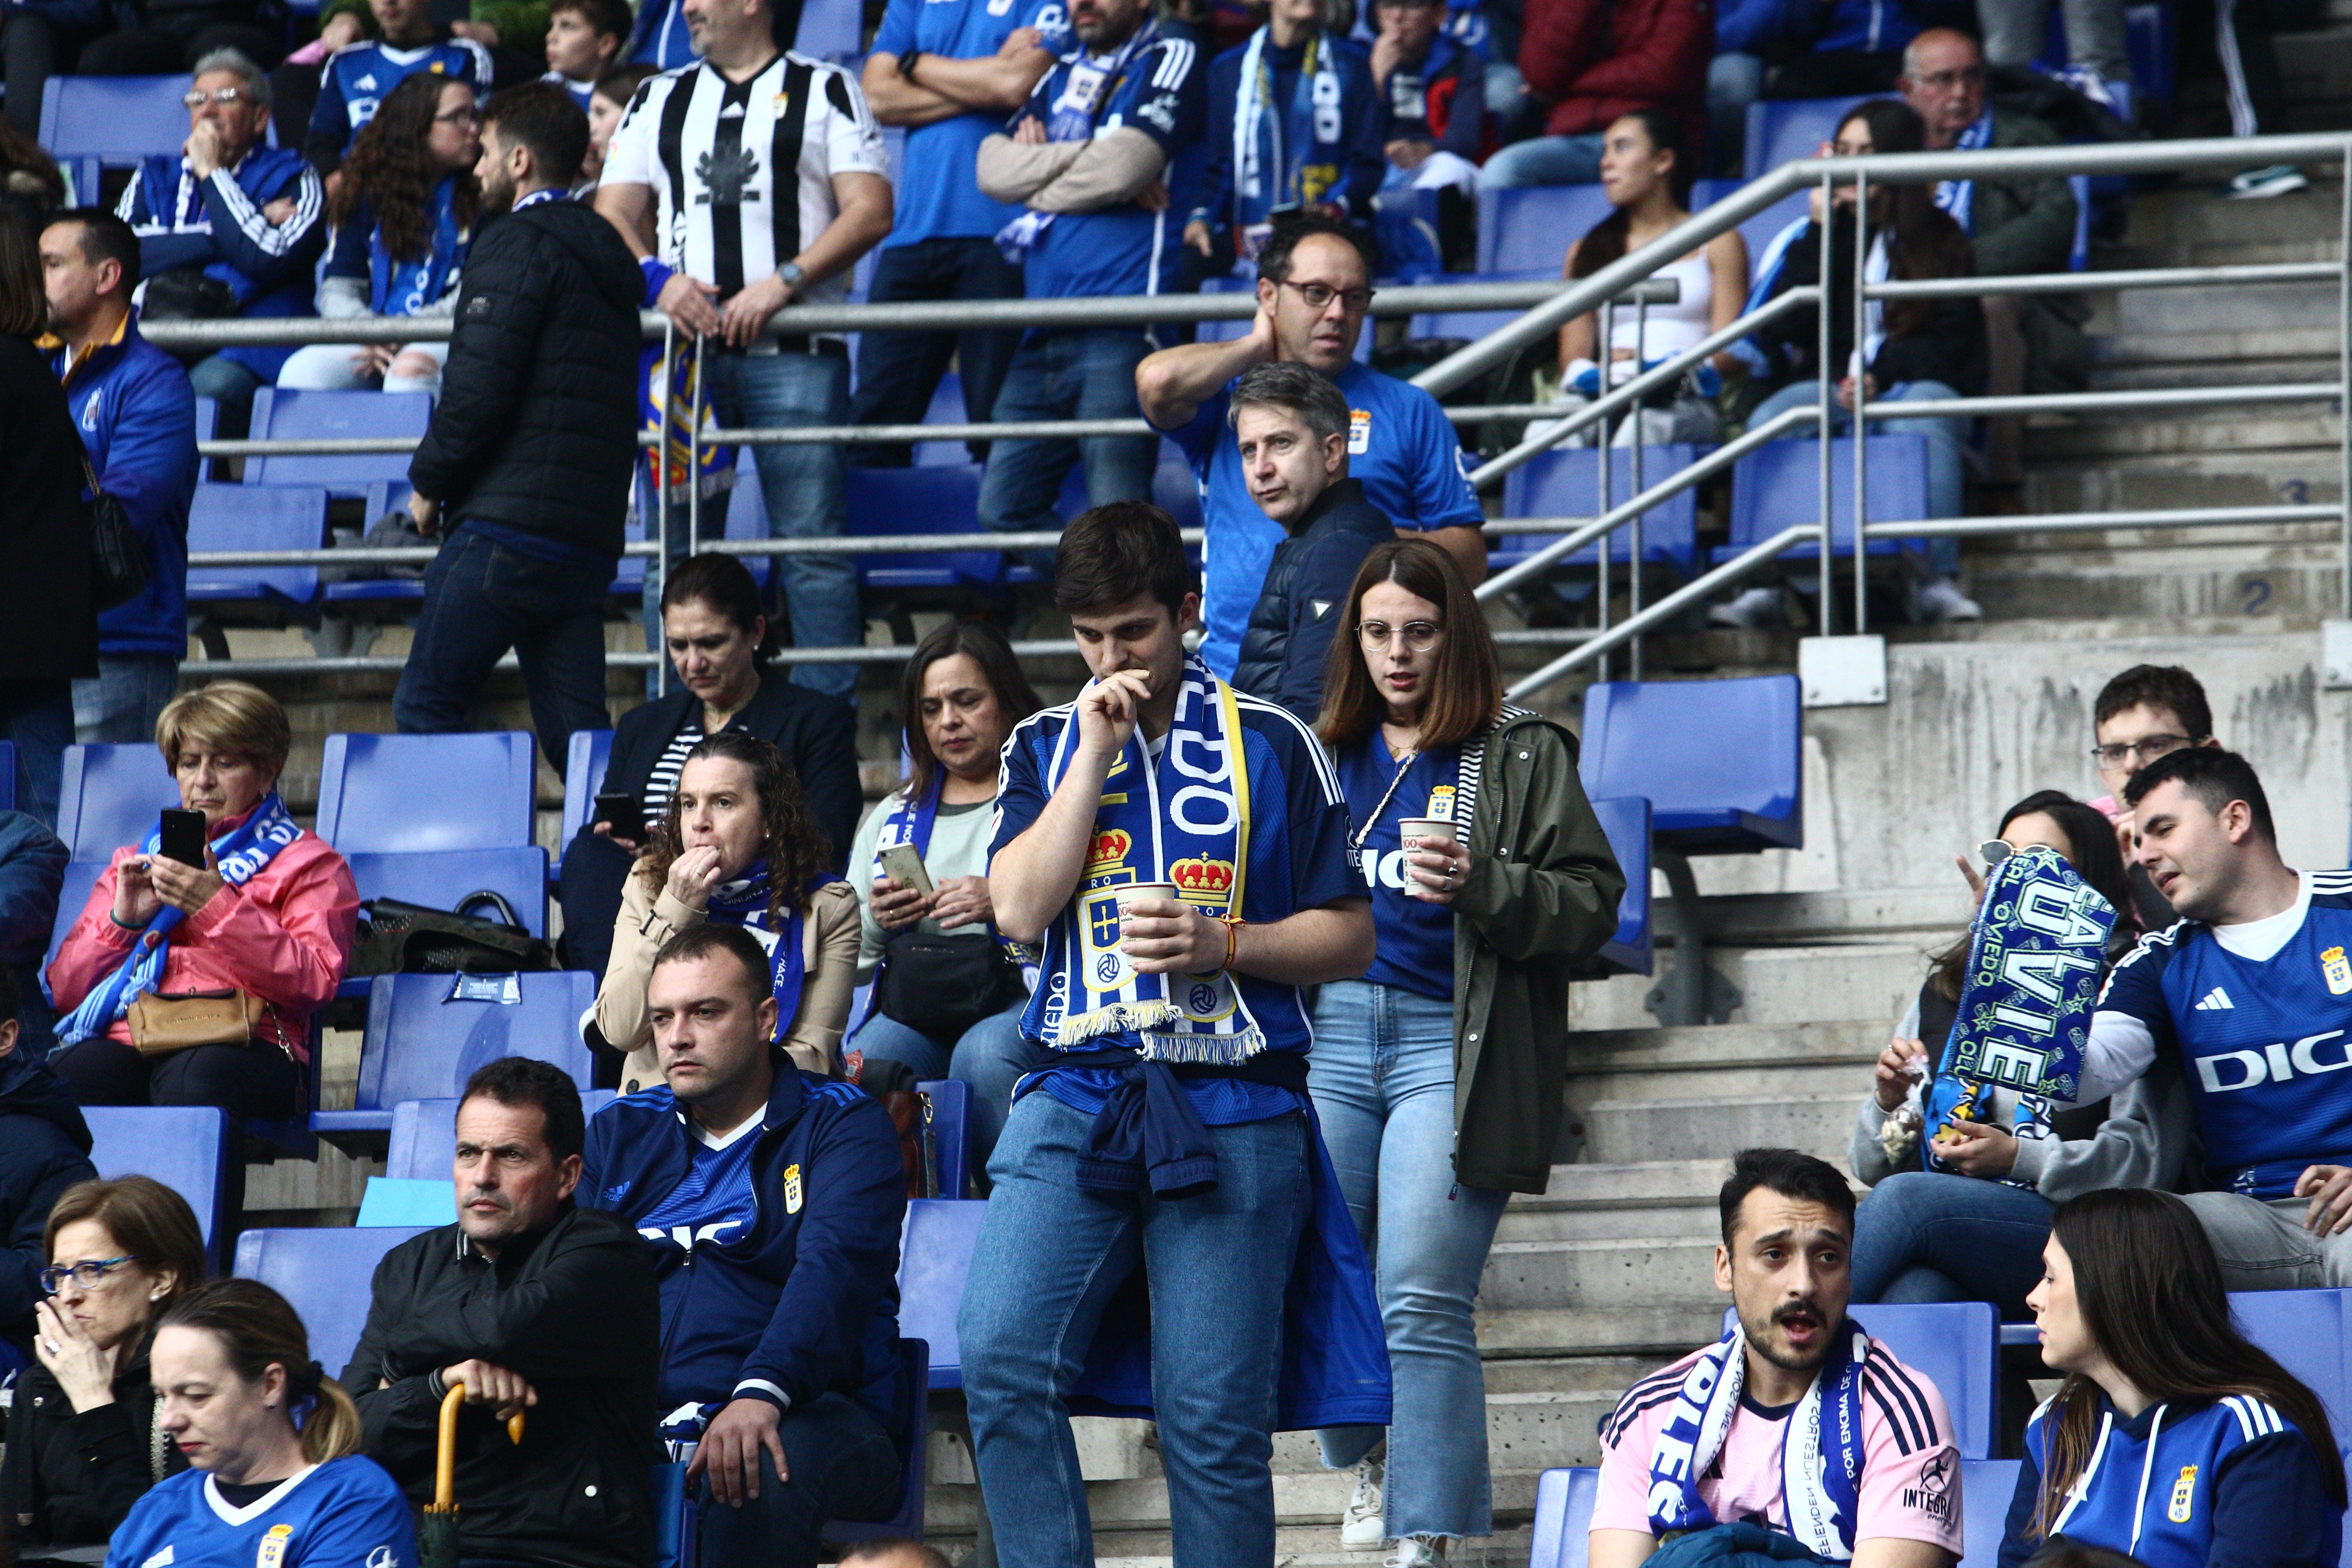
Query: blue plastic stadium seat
1720	761
1175	492
185	1147
934	498
110	796
1986	1488
949	1100
1564	1500
946	407
913	1435
256	517
325	1274
90	120
584	774
2306	1330
412	793
1779	485
1566	482
1956	1346
439	878
1625	822
422	1045
282	414
424	1144
1479	323
829	28
1534	226
1760	230
1782	129
380	499
934	1257
81	877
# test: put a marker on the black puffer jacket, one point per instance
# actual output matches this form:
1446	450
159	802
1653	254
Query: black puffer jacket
1288	645
537	423
44	1150
69	1479
49	627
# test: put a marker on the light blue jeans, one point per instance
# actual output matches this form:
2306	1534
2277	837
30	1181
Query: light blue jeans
1936	1236
1082	372
1544	160
1049	1260
991	1056
1946	444
123	701
1383	1077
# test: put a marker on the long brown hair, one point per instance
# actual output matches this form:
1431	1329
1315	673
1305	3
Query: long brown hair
146	1219
2090	850
1927	242
2150	1292
986	646
1604	242
24	301
392	168
795	847
1465	686
258	1329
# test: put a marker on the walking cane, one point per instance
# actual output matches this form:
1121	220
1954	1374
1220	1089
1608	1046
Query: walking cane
436	1539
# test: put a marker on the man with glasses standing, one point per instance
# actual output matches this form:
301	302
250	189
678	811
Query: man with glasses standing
1313	289
2140	715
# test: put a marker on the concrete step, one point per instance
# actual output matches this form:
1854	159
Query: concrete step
1857	981
1689	1129
1665	1197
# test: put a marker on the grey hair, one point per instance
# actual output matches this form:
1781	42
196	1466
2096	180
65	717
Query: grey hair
1284	384
239	64
1911	49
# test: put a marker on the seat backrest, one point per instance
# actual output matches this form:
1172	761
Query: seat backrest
1533	226
584	774
1477	323
407	794
423	1044
110	796
185	1147
1625	823
1760	229
2306	1331
439	881
1986	1488
1956	1346
1780	130
936	498
257	517
1696	745
119	118
1779	485
279	415
323	1273
934	1257
1566	482
425	1135
81	877
828	27
1564	1500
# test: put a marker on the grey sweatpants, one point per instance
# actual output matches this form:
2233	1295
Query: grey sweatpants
2263	1245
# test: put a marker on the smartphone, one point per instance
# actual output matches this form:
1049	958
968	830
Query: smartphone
182	838
905	862
625	815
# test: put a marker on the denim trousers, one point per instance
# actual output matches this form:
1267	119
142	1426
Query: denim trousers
991	1056
1933	1236
1383	1077
898	371
844	1465
1544	160
122	702
1087	374
803	489
482	598
1947	443
1048	1260
2263	1247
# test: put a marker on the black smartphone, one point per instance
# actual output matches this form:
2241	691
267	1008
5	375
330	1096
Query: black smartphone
625	813
184	838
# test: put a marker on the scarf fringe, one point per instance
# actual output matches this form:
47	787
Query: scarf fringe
1211	1050
1117	1018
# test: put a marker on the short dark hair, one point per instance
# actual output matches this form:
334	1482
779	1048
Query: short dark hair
1789	1173
2165	686
725	584
1273	259
1124	550
105	237
525	1081
604	17
2215	777
544	118
896	1549
702	940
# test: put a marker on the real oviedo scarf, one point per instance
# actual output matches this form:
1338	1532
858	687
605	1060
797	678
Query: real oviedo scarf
1821	1445
1183	819
240	854
744	902
1086	92
1284	156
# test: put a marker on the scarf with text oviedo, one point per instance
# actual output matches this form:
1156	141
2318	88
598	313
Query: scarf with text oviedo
1820	1445
1183	819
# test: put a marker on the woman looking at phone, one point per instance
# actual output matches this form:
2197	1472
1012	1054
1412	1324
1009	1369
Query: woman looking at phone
1462	1020
947	1000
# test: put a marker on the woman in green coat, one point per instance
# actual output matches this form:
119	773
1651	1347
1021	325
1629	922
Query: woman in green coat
1438	1075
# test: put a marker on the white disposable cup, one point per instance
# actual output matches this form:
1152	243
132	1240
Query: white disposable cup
1130	891
1423	833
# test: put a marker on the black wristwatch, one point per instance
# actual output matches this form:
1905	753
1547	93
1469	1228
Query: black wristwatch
906	64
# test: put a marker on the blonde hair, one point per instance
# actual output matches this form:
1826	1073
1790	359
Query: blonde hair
230	716
258	1329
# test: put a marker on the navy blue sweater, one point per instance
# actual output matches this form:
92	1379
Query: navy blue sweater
1287	648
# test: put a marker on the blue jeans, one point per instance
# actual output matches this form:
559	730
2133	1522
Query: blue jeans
231	387
1947	442
1931	1236
1087	374
898	371
1049	1260
1382	1077
1544	160
122	702
991	1056
803	488
482	598
39	717
844	1465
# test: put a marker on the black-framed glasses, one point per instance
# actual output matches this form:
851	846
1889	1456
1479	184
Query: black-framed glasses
1419	636
196	97
88	1274
2145	749
1319	296
459	117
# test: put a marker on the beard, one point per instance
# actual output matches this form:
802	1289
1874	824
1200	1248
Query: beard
1790	1360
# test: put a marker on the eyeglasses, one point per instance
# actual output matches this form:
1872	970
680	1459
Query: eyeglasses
86	1274
2147	751
1319	296
196	97
459	117
1419	636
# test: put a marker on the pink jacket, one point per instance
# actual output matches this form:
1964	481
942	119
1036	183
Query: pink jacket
285	936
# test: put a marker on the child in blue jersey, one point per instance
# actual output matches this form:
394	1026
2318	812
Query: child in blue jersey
2172	1438
275	1479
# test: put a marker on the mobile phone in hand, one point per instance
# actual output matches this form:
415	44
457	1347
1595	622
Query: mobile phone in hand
182	838
905	862
623	813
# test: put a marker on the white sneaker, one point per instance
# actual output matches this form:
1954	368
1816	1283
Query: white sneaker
1360	1528
1937	601
1418	1551
2272	179
1756	609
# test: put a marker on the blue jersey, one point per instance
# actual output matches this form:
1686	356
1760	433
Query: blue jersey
1400	445
345	1513
715	1200
1122	249
2262	1031
936	196
583	92
2232	1484
356	80
1414	938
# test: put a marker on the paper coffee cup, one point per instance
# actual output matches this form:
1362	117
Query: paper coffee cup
1130	891
1413	829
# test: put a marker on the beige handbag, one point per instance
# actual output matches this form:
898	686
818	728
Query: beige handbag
162	1025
